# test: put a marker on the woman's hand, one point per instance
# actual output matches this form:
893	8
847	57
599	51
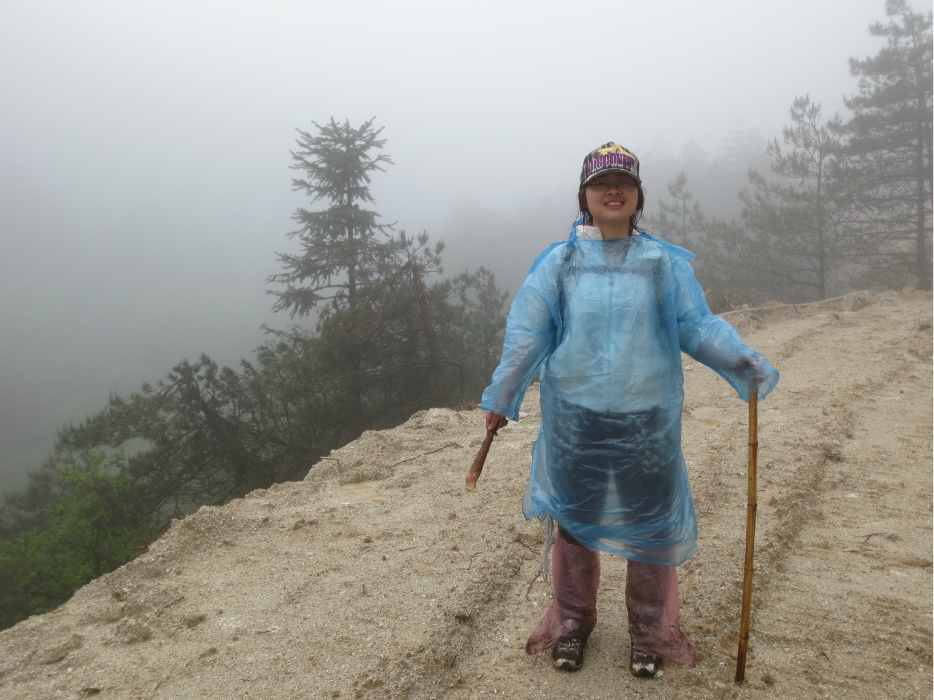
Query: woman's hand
752	367
494	421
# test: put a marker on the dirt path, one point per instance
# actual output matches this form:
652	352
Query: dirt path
379	577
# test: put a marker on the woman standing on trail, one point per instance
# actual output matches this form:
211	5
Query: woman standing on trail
605	316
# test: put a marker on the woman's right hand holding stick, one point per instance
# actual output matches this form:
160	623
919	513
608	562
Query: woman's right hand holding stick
494	421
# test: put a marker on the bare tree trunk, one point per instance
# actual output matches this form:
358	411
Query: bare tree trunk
923	267
355	401
429	330
921	262
821	243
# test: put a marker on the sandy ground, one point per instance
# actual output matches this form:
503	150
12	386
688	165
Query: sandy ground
378	576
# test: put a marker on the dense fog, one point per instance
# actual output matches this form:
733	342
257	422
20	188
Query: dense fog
145	186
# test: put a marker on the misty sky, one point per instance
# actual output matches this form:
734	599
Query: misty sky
144	150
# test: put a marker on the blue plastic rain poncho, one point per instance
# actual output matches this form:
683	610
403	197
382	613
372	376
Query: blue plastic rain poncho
606	322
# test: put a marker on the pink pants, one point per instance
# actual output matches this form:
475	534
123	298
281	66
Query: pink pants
651	600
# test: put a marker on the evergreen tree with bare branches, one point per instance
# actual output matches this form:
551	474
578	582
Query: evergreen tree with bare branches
889	150
342	245
679	221
793	236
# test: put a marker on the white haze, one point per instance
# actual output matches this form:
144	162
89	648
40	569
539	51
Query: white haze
144	151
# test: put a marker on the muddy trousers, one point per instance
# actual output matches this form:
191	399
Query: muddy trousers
651	600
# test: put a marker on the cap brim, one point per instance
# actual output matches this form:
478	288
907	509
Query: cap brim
611	170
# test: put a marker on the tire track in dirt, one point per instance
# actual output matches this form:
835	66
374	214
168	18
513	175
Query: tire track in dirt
819	627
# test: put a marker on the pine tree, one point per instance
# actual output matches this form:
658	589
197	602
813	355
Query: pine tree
793	237
410	342
889	149
678	221
342	245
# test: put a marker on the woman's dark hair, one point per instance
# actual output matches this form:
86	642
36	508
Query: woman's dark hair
588	219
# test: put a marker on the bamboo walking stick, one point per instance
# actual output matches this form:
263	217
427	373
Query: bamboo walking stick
750	538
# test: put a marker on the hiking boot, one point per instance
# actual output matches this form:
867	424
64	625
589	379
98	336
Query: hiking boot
644	665
568	654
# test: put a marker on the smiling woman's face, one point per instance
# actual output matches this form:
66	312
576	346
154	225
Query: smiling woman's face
612	199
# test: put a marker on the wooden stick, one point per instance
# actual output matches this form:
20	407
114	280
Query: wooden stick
750	538
477	465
